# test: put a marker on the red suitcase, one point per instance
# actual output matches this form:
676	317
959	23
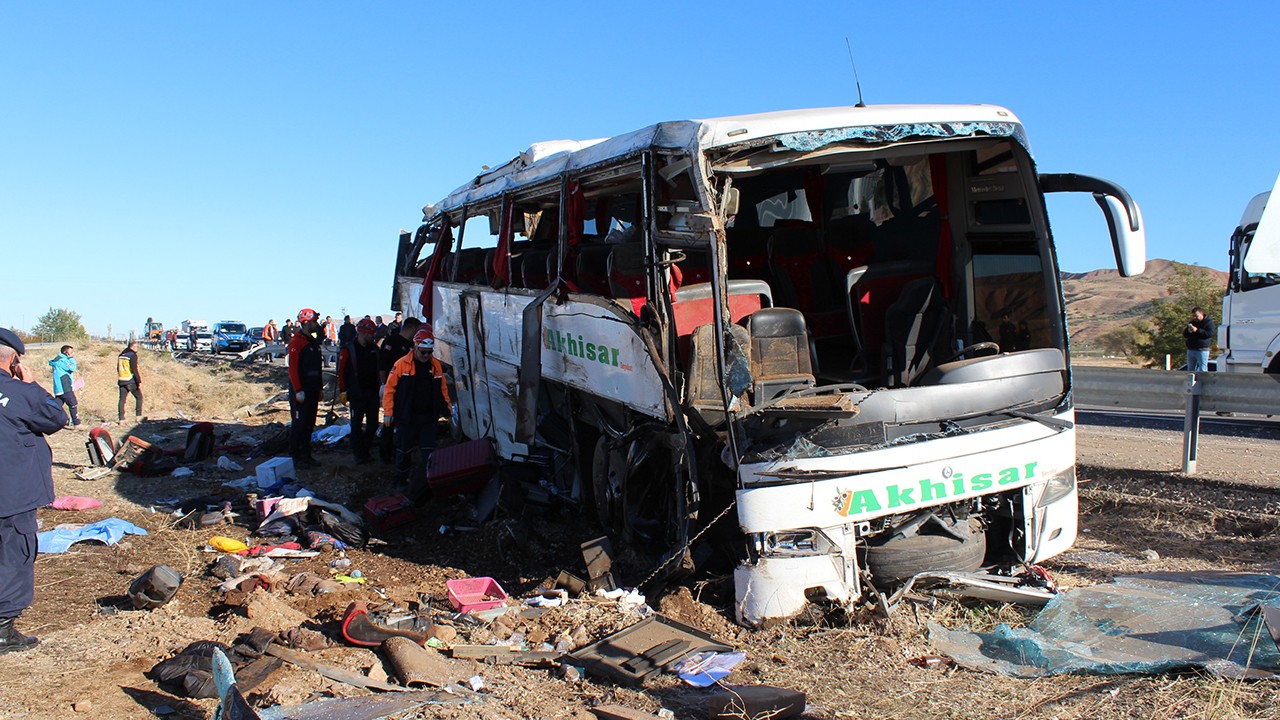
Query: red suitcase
462	468
388	511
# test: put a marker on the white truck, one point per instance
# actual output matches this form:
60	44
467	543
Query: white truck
765	345
203	340
1250	330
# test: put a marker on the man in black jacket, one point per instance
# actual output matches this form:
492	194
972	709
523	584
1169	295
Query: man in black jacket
1199	334
27	414
395	346
358	381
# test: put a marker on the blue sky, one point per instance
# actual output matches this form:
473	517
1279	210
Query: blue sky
242	160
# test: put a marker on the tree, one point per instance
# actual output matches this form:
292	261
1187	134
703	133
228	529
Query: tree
1123	341
59	324
1190	287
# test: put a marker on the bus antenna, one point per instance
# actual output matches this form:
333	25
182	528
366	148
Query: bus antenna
856	81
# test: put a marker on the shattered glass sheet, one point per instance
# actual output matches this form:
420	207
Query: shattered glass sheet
808	141
1150	623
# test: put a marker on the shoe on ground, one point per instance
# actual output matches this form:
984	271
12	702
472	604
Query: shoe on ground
13	641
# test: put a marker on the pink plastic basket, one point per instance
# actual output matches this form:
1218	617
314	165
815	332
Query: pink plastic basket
478	593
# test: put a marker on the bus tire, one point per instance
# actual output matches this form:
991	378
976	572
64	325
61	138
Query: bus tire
901	558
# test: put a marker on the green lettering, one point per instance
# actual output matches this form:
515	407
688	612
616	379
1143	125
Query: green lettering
1009	476
981	481
899	497
603	355
615	356
546	340
863	501
591	351
1030	470
930	490
957	482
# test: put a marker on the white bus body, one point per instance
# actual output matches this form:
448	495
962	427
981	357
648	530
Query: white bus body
791	318
1250	330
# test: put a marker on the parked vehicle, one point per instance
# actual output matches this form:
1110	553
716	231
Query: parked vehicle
1250	330
786	317
184	337
231	336
154	331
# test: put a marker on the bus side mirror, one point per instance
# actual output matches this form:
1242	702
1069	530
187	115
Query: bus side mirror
1124	219
1128	234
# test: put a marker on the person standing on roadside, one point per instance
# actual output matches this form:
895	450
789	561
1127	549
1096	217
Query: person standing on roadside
346	332
129	380
27	414
64	365
394	347
269	332
330	331
1198	334
415	399
358	384
286	333
306	382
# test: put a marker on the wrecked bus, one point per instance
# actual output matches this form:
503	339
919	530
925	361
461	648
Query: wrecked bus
842	328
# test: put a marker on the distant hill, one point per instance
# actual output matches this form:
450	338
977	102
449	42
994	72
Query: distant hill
1100	300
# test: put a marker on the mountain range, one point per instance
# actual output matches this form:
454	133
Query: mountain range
1101	300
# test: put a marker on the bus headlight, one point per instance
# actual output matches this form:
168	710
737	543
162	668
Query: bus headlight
1058	487
795	543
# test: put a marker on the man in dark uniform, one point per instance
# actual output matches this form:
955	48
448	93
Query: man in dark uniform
27	414
415	399
394	347
306	382
358	384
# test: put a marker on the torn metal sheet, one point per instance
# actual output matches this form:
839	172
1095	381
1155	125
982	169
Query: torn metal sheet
1152	623
995	588
364	708
416	665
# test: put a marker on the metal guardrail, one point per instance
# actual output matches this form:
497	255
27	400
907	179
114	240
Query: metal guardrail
1193	392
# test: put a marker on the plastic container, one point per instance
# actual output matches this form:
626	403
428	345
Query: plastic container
472	594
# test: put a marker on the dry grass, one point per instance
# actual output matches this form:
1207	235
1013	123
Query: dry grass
170	388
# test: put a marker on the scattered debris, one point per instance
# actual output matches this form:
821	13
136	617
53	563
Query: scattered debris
756	701
330	671
107	532
155	587
75	502
634	654
92	473
475	594
226	463
359	629
1158	622
416	665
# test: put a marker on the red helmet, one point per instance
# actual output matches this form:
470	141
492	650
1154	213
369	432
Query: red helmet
424	338
306	314
366	326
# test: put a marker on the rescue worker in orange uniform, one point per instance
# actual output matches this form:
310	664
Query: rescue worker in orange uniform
306	382
415	398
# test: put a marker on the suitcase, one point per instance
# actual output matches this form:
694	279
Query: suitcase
388	511
102	449
462	468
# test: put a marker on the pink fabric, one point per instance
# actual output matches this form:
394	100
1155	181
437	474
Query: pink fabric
74	502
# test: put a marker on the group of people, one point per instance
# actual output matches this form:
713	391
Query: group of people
398	377
128	380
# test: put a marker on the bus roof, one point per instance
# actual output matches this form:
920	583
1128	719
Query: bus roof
796	129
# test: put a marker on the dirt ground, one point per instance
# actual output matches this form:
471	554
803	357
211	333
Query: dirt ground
95	650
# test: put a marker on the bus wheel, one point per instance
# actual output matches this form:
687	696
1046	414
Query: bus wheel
608	470
660	493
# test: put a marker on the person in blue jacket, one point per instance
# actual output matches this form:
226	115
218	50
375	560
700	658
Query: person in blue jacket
64	365
27	414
